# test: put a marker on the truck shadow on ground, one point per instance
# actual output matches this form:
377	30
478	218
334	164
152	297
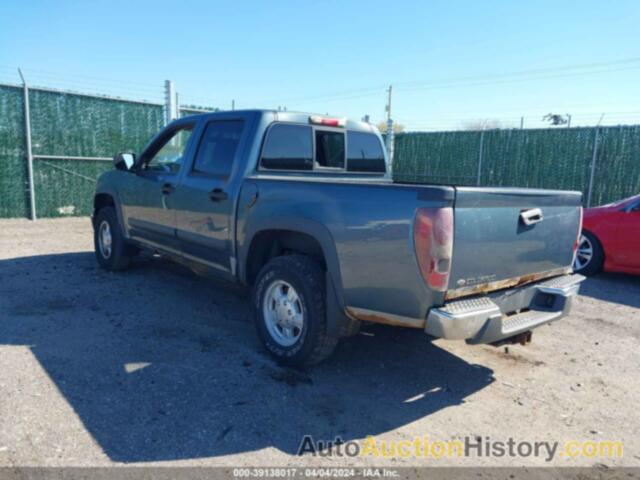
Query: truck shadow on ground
160	364
613	287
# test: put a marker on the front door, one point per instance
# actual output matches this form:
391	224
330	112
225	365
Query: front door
146	198
204	198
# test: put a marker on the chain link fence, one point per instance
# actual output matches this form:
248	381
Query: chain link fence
73	137
601	162
14	197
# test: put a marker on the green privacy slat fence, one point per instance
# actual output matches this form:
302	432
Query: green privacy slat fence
79	125
538	158
14	196
75	125
66	125
443	157
546	158
617	173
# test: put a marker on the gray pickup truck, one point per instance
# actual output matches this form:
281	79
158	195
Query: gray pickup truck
301	208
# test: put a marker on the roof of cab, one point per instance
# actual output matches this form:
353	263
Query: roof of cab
294	117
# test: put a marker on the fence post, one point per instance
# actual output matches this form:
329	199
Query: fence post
594	158
170	107
27	134
480	153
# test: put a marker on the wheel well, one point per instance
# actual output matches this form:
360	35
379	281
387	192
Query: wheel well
102	200
595	237
274	243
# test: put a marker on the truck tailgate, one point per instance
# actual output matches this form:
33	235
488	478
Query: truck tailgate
505	237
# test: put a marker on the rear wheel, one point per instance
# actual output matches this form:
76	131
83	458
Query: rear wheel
289	299
112	250
589	256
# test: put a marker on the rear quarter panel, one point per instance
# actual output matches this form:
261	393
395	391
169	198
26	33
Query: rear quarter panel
602	222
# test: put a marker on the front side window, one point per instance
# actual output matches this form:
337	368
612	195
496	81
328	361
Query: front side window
329	149
169	155
218	147
288	147
364	153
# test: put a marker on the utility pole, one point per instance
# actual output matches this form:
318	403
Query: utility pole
568	121
521	123
233	104
390	135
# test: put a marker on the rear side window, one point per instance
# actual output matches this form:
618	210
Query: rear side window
330	149
288	147
218	148
364	153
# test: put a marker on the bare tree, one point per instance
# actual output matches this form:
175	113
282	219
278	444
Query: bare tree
481	124
397	127
557	119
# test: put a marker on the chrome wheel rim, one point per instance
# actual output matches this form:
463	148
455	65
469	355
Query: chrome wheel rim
584	253
105	239
282	313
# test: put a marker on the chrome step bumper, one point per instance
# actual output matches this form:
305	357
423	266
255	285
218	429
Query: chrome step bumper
494	317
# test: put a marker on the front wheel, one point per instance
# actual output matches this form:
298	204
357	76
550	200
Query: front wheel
112	251
289	300
589	255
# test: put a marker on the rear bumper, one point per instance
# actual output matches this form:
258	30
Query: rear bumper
493	317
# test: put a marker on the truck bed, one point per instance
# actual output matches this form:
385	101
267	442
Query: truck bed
370	224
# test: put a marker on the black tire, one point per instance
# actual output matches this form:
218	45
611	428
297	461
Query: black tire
119	255
307	278
596	261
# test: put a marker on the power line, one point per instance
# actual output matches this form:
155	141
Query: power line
345	95
525	72
538	74
75	77
514	80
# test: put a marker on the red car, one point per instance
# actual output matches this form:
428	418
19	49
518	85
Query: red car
610	239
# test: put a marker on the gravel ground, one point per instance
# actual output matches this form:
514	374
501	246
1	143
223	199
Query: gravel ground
156	365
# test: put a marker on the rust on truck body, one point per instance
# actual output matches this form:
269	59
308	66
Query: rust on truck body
502	284
387	319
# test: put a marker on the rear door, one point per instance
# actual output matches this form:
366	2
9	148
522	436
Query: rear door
503	237
204	199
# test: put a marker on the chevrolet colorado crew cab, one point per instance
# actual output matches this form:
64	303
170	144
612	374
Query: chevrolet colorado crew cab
302	209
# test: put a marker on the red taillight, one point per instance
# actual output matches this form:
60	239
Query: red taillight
433	241
329	122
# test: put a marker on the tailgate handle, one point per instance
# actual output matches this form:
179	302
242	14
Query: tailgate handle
531	217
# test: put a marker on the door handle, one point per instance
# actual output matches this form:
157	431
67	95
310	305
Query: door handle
167	189
531	217
218	194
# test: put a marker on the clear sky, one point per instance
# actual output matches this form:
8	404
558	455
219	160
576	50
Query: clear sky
450	61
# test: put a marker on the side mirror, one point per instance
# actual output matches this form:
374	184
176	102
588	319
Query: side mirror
124	161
